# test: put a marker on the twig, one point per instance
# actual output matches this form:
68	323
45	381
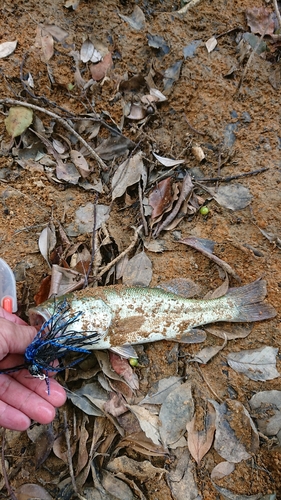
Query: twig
145	228
249	62
207	383
277	12
191	127
186	191
230	178
93	252
63	122
69	456
4	472
219	169
121	255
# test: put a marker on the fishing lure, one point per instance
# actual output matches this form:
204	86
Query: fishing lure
55	339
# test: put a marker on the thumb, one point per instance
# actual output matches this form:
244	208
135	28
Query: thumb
14	338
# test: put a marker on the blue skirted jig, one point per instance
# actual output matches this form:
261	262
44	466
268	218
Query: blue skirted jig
53	342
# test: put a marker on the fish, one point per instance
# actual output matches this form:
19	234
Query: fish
125	316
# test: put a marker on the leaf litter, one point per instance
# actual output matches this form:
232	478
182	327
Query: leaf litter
163	425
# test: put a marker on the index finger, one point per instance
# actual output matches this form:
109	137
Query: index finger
14	338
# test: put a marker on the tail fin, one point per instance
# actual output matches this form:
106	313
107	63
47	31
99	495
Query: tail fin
248	301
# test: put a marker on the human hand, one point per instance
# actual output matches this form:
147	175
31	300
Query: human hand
23	397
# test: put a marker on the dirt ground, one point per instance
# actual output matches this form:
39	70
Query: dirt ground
205	93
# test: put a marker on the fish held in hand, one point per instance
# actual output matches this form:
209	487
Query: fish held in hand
124	316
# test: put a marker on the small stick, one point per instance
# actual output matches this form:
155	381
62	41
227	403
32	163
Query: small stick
277	12
207	383
121	255
186	191
145	228
4	472
249	62
192	128
69	457
232	177
63	122
219	168
93	252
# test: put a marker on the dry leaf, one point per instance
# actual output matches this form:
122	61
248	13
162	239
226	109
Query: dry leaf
211	44
142	471
124	369
232	196
161	197
182	476
137	112
256	364
222	469
149	423
136	20
83	456
127	174
32	491
47	45
56	31
138	271
236	436
167	162
18	120
260	20
175	412
161	389
7	48
116	405
80	163
229	495
116	488
207	353
200	441
267	406
89	53
64	280
99	70
84	219
47	241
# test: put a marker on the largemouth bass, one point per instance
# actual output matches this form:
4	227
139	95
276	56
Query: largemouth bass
124	316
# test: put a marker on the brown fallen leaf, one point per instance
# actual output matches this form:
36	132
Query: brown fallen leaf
222	469
260	20
200	441
140	443
99	70
124	369
160	197
175	412
83	455
143	471
138	271
116	405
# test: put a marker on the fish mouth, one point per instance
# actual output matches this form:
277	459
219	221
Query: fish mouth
38	317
